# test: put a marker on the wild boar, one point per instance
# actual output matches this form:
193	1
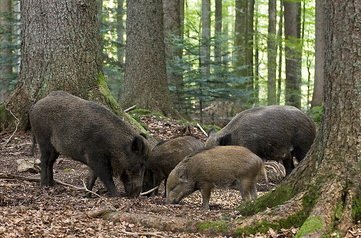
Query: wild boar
221	166
165	156
89	133
272	132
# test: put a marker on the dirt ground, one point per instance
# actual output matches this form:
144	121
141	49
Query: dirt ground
27	210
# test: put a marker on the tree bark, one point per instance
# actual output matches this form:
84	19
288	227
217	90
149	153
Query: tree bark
317	98
293	52
60	51
145	81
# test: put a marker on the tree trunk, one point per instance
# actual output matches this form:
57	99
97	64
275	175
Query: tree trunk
145	81
293	52
5	49
218	37
271	52
205	39
244	49
60	51
173	50
317	98
256	56
280	54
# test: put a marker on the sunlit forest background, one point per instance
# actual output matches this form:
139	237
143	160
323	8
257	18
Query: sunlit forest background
227	54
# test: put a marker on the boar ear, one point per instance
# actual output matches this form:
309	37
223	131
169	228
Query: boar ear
225	140
138	145
183	176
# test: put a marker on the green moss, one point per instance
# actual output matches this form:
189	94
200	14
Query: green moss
312	224
272	199
282	194
213	226
356	209
109	98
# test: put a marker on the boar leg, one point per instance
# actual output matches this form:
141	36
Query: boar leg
288	164
246	189
104	171
47	159
206	194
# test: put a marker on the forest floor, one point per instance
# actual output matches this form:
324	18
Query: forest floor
26	210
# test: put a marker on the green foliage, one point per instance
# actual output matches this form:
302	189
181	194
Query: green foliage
9	48
316	113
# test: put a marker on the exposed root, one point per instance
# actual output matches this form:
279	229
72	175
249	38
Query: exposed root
273	215
176	224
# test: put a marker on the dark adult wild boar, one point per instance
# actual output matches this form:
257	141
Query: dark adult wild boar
165	156
272	132
222	166
89	133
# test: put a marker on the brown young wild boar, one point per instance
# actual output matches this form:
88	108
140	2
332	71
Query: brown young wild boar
221	166
89	133
165	156
272	132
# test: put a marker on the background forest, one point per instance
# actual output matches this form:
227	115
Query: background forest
221	57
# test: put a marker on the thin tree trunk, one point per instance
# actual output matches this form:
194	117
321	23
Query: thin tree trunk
120	32
317	98
271	52
293	52
256	57
218	37
205	39
280	53
173	35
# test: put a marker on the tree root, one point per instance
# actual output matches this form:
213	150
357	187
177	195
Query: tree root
175	224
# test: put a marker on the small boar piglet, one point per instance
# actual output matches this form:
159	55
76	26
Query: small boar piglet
233	167
165	156
88	132
278	133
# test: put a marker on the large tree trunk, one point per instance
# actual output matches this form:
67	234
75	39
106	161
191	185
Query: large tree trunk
317	97
293	52
60	51
145	81
5	48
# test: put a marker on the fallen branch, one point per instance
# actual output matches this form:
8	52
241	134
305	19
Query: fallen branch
137	234
202	130
130	108
16	127
22	178
149	191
